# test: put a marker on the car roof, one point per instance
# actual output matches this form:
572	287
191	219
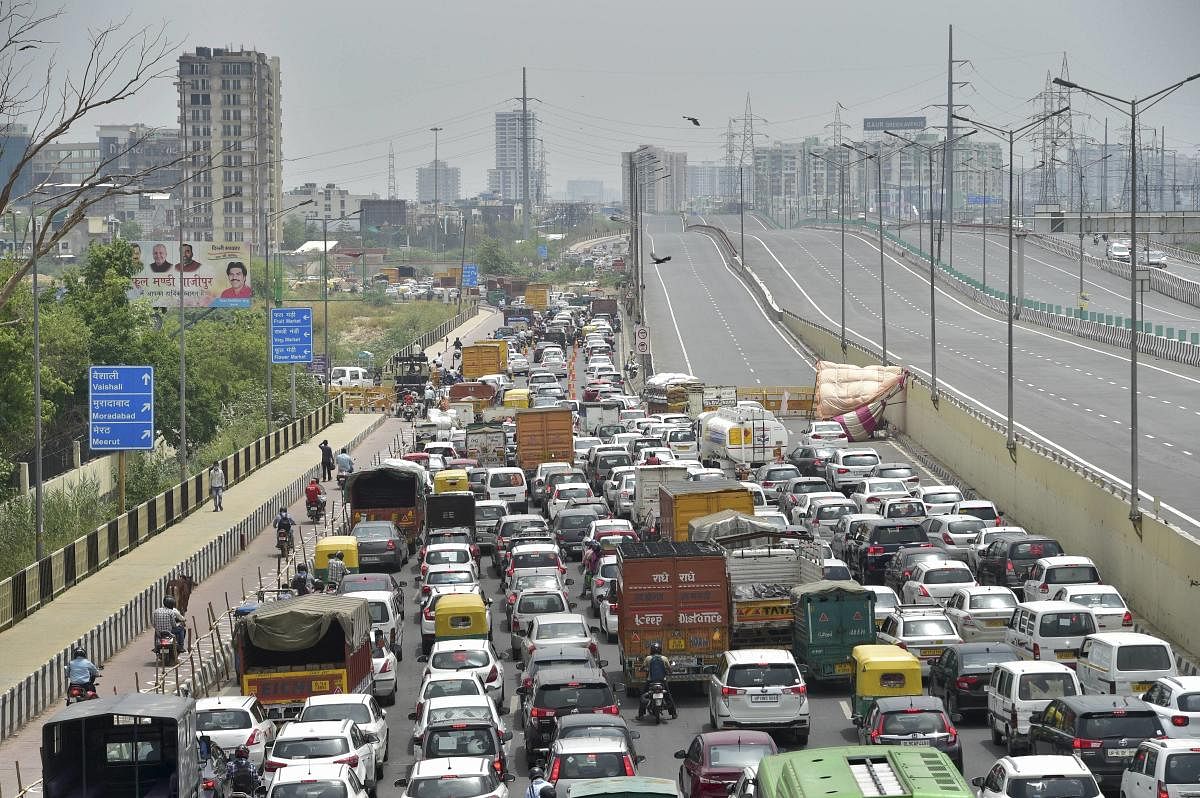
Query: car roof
753	656
983	648
571	673
226	702
561	617
464	644
1065	559
1034	666
592	719
1137	638
952	565
981	590
1072	589
1103	703
1045	764
521	517
559	652
316	728
1053	606
1183	682
338	698
457	765
901	703
309	772
443	701
588	745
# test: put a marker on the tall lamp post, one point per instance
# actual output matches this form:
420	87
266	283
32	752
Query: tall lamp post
435	131
267	219
1011	136
877	157
1133	107
841	169
325	288
1082	169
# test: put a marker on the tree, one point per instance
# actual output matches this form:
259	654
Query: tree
294	231
118	64
493	260
131	230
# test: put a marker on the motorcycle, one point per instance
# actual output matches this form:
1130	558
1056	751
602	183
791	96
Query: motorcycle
283	542
316	510
408	412
81	692
656	705
341	479
166	652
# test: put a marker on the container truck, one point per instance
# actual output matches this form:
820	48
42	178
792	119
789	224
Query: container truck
680	502
677	595
289	651
828	620
544	435
644	512
537	296
734	438
485	357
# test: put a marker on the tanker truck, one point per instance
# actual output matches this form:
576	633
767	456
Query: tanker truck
736	439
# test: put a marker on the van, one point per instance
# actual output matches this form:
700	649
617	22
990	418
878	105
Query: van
1050	630
1018	689
350	376
1123	663
508	485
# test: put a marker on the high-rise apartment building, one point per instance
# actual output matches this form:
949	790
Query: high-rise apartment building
64	162
129	149
231	124
505	180
449	183
662	178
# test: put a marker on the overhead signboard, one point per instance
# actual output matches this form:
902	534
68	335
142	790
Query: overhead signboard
543	251
470	275
983	199
210	274
878	124
120	407
291	335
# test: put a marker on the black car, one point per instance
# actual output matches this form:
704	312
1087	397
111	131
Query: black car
562	691
1104	731
869	552
910	720
562	656
960	676
1006	562
380	546
569	527
466	738
905	561
811	459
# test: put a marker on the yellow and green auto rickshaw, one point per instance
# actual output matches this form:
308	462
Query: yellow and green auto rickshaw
461	616
325	548
882	670
450	480
518	398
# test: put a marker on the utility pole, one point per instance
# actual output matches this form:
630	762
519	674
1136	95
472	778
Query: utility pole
525	153
948	153
436	220
1104	174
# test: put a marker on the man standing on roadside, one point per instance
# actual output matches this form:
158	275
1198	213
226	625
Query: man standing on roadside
216	486
327	461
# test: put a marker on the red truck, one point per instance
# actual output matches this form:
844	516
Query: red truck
675	594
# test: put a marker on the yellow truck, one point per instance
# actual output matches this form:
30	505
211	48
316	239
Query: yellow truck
484	357
680	502
537	296
546	435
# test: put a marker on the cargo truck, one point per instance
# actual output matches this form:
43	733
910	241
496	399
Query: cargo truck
733	438
830	618
604	306
486	357
680	502
644	512
593	415
288	651
677	595
395	491
760	584
544	435
487	444
537	296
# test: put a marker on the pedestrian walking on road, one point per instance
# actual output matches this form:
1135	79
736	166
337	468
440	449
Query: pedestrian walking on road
216	486
327	462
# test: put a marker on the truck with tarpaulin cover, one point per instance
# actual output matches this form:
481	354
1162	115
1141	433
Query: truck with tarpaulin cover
674	594
395	491
132	744
289	651
830	618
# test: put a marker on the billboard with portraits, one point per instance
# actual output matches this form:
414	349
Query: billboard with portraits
210	274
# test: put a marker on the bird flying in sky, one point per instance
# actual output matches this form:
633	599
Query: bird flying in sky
693	120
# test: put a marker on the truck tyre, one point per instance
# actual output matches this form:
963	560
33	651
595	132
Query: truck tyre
802	739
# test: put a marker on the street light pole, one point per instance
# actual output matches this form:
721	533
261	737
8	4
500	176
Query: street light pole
879	208
436	220
39	509
841	169
1081	171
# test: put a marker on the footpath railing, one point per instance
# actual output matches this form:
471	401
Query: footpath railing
426	340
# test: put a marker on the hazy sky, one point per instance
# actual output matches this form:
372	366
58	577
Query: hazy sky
615	74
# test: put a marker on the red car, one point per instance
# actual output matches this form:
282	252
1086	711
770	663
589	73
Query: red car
715	760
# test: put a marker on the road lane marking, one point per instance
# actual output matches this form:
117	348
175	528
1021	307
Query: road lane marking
671	308
845	709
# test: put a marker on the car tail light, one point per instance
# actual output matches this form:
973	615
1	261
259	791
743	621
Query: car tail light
611	709
728	691
252	739
843	470
796	689
947	539
966	682
924	592
498	766
1162	790
818	462
350	761
873	500
628	765
391	545
1043	588
428	614
554	770
272	765
208	784
1128	619
1180	720
539	712
426	590
877	732
874	551
1037	651
1008	566
1080	744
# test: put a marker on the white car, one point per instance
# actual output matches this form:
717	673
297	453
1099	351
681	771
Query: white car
448	684
448	709
233	720
1111	611
824	433
449	554
1176	701
564	492
938	499
328	742
663	453
981	612
1027	776
1050	573
446	579
559	629
935	581
474	777
361	709
474	655
980	508
924	631
803	500
609	623
384	672
886	602
340	780
1160	768
871	492
759	689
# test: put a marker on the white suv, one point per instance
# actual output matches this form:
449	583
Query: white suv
361	709
1163	767
329	742
1021	776
230	721
759	689
317	780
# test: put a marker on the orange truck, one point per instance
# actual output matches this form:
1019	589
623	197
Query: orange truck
484	357
680	502
544	435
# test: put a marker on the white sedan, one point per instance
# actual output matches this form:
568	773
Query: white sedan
383	676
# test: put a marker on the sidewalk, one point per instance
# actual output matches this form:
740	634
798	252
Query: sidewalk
97	599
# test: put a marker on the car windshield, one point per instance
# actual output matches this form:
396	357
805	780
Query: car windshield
1053	787
892	535
450	687
910	721
572	493
1035	550
943	498
613	460
354	711
570	696
896	473
604	732
829	512
507	480
374	531
801	488
447	557
1043	686
782	674
1128	725
590	766
378	611
581	445
1183	767
450	714
928	627
884	600
450	578
737	756
1072	575
947	576
780	474
1099	600
984	659
1151	657
888	486
576	521
905	509
1066	624
310	788
488	513
451	787
681	436
460	740
222	720
993	601
860	460
985	512
610	571
310	748
965	527
458	660
534	559
541	603
560	630
352	583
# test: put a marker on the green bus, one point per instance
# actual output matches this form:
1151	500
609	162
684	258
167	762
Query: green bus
857	771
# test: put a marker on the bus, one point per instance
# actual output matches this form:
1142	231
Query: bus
855	771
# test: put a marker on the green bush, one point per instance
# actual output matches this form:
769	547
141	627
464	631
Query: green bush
68	515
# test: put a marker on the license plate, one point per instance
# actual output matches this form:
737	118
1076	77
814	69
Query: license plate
913	742
676	644
1067	654
769	698
843	667
369	558
1141	687
1120	753
993	622
931	652
658	696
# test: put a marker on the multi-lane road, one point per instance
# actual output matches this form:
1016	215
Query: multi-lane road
1068	392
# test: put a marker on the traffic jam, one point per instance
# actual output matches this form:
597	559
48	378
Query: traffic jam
565	588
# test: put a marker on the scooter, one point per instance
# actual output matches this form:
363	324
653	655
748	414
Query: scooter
81	692
166	652
341	479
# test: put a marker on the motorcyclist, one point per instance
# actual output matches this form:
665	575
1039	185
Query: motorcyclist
285	523
590	557
302	583
240	773
314	495
168	620
537	780
345	464
81	671
337	569
656	666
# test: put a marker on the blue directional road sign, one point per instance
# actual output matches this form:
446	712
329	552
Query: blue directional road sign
121	407
470	275
291	335
543	251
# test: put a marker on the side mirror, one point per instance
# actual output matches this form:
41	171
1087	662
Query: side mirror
857	720
681	754
635	735
402	583
603	663
412	715
372	738
508	778
568	581
594	629
1036	717
506	736
520	666
639	759
571	605
423	658
400	782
